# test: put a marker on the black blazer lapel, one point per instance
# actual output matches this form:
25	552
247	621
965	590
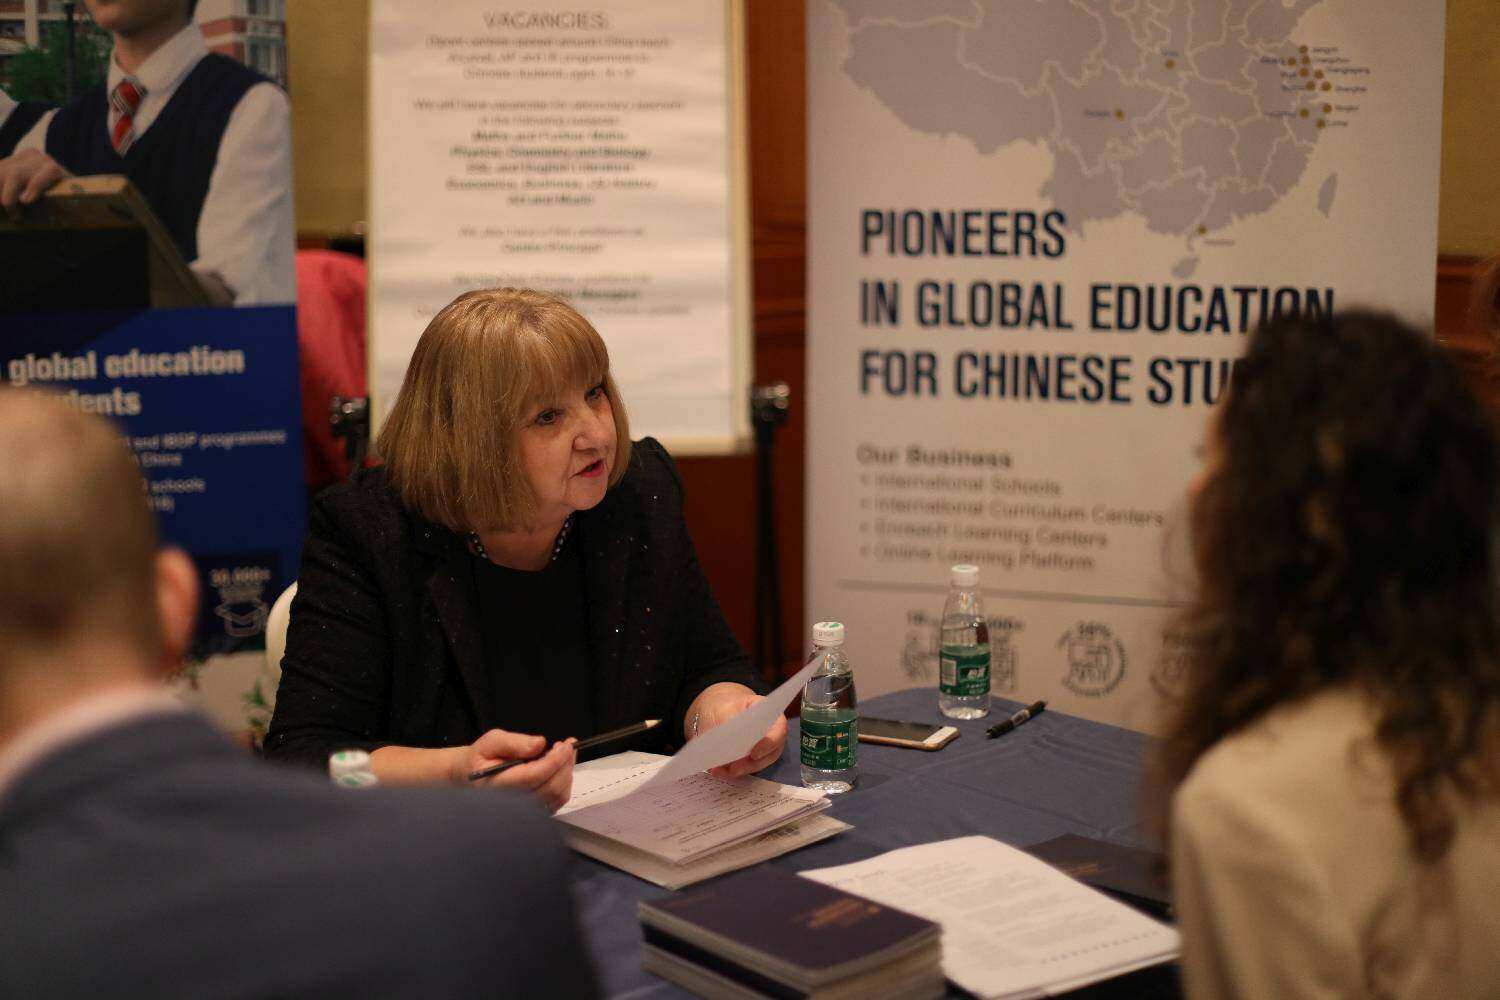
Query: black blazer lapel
608	537
450	587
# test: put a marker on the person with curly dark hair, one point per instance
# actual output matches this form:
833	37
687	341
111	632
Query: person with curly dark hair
1335	760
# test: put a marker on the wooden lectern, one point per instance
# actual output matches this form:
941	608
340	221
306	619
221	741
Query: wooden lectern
92	243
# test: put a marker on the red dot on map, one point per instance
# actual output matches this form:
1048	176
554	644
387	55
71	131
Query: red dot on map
1292	61
1302	71
1202	230
1119	113
1320	123
1327	108
1302	113
1171	63
1311	85
1319	74
1302	48
1326	85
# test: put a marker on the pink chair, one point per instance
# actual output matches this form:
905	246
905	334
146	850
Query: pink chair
331	349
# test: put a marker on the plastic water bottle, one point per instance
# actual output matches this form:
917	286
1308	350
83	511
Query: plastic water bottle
964	656
351	769
830	720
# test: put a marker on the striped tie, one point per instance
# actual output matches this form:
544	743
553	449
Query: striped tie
125	99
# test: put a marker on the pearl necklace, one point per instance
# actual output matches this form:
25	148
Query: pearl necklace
477	547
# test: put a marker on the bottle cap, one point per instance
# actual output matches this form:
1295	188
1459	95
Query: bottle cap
964	575
828	634
346	762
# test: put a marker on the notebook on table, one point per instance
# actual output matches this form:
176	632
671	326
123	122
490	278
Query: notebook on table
1134	875
770	933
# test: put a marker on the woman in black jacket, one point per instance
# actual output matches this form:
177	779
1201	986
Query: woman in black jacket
517	572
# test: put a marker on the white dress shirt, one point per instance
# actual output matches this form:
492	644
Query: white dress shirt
246	233
7	105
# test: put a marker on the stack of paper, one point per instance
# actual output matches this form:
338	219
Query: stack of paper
667	821
683	831
1013	926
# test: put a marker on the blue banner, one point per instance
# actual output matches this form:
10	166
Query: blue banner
208	399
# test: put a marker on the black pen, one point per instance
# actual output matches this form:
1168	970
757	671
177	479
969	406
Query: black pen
1001	728
592	741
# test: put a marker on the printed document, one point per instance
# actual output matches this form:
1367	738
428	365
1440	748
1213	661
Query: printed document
733	739
773	843
1013	926
685	820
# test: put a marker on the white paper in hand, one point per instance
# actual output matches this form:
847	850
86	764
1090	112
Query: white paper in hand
732	740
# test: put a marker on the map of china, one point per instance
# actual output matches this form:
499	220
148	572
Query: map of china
1189	113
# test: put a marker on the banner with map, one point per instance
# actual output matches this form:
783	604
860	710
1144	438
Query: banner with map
1040	232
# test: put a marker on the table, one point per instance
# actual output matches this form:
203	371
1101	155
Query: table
1056	774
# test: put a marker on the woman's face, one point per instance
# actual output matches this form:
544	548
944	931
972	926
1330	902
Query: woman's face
568	450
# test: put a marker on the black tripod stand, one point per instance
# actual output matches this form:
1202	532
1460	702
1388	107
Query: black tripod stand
72	54
350	418
769	406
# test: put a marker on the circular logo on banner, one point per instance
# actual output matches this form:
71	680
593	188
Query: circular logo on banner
1096	659
1170	676
1002	665
919	653
1003	655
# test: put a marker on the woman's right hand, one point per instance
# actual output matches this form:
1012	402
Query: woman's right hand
549	777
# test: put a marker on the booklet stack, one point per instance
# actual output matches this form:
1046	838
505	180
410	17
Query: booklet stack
679	831
773	934
1133	875
667	820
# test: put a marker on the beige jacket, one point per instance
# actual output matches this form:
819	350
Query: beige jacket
1293	877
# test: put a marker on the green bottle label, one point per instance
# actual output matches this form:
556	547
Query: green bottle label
829	746
966	674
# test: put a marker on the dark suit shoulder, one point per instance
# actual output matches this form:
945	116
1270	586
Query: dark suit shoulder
462	872
367	489
364	509
652	472
652	456
434	828
275	883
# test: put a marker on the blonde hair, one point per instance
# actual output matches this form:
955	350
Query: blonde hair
77	541
450	444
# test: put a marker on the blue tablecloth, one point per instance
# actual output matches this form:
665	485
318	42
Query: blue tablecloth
1056	774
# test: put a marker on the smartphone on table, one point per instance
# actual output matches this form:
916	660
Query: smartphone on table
915	735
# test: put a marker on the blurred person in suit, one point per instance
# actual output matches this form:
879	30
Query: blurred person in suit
16	119
142	854
1335	828
206	139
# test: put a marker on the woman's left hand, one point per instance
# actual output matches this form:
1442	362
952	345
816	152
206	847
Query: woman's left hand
721	702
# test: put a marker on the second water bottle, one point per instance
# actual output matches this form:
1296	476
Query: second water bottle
830	718
964	656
